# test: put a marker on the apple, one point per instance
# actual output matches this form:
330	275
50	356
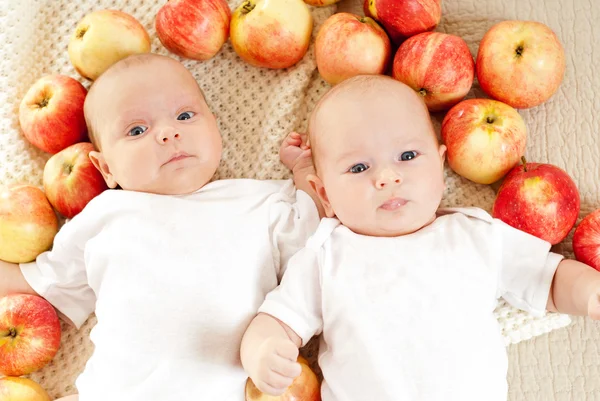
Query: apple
195	29
586	240
51	113
28	223
485	139
438	66
21	389
271	34
540	199
29	334
71	180
305	387
520	63
104	37
349	45
404	18
320	3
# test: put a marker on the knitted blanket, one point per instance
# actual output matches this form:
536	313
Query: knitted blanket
256	108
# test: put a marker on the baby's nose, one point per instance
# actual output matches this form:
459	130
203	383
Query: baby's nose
167	136
387	178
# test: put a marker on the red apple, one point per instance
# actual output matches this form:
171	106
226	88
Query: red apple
540	199
271	34
21	389
28	223
51	113
320	3
586	240
71	180
349	45
104	37
485	139
195	29
404	18
29	334
438	66
305	387
520	63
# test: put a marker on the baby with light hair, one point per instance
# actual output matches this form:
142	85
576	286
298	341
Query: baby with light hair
401	291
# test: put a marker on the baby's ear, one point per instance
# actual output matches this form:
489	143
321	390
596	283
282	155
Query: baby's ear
98	161
317	186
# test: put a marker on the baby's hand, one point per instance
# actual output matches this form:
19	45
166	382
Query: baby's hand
275	366
594	306
295	150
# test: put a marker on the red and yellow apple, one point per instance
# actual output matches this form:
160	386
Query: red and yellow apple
271	34
28	223
104	37
51	113
29	334
436	65
349	45
71	180
305	387
586	240
520	63
540	199
320	3
21	389
485	139
193	29
404	18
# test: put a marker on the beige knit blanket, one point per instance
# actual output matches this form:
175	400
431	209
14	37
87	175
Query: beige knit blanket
256	108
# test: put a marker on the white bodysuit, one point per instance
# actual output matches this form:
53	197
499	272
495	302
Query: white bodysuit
174	281
411	318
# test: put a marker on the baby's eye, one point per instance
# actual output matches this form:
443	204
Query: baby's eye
358	168
186	115
408	155
137	130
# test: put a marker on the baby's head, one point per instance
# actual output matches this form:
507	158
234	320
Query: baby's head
152	128
378	161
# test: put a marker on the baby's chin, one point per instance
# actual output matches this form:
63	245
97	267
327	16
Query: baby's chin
392	228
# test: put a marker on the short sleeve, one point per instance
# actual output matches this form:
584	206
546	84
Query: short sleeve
297	300
293	219
60	276
526	269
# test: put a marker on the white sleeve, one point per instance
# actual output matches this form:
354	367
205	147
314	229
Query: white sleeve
526	269
60	276
297	300
293	219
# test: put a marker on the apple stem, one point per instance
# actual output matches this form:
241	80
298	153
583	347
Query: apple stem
423	92
247	7
524	161
12	332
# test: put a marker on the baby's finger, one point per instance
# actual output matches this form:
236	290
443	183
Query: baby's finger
594	307
267	389
277	381
287	350
286	368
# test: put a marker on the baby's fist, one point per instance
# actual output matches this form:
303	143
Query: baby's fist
275	366
294	149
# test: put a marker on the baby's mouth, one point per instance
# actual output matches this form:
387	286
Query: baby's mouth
393	204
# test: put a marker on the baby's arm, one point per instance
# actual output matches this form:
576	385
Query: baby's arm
12	280
295	154
268	352
575	290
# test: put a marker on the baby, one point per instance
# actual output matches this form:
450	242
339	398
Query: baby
174	266
402	292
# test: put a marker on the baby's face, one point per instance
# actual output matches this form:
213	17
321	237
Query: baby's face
155	131
378	160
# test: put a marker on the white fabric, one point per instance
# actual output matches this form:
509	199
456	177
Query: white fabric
174	282
411	317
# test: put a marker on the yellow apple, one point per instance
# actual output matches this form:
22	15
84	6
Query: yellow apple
271	34
104	37
320	3
28	223
21	389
